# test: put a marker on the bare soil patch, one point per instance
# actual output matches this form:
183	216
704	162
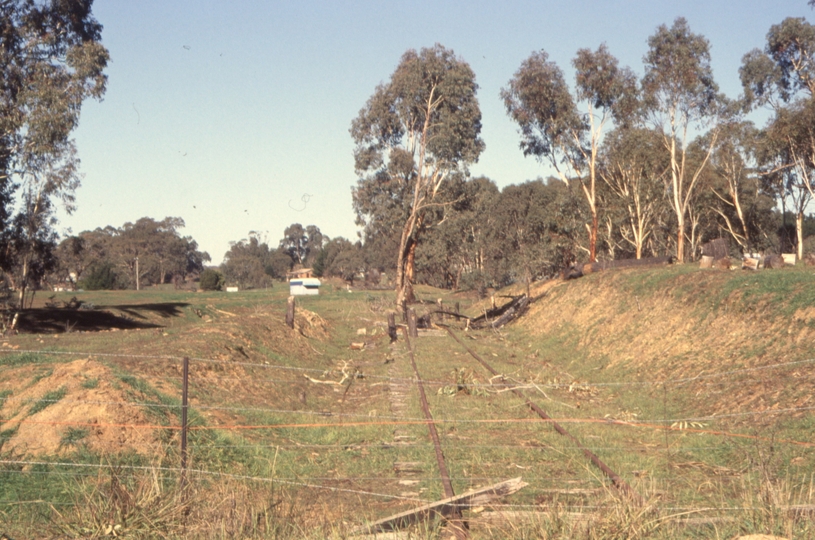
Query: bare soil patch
87	402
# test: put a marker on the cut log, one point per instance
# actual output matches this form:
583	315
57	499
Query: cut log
706	262
718	248
444	507
722	264
750	263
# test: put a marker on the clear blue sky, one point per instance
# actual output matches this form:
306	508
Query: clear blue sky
234	115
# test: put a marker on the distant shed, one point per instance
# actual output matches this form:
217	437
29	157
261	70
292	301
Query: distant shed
300	274
304	286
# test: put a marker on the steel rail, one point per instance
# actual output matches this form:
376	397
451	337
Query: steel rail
618	482
454	516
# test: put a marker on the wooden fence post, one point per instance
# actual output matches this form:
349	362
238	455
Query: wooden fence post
392	326
440	304
413	330
185	377
290	313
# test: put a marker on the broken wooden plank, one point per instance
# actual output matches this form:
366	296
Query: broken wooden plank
408	467
443	507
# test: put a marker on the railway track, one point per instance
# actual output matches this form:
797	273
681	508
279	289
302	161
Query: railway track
453	514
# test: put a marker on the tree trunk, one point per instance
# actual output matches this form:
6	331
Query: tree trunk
410	272
23	283
680	237
405	270
593	236
799	231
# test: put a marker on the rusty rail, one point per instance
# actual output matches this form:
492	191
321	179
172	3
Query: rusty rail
455	513
618	482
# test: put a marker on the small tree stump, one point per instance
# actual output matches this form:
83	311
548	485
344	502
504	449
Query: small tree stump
706	262
392	326
290	312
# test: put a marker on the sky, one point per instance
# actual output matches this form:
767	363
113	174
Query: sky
234	115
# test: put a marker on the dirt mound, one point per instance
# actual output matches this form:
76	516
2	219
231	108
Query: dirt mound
73	405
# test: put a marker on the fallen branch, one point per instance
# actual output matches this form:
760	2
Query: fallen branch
500	316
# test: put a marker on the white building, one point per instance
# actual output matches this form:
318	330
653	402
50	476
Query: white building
302	286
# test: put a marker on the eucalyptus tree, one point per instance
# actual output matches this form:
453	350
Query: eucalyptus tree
789	159
534	230
52	60
416	130
552	126
785	69
782	77
302	244
247	264
680	99
457	245
635	169
738	193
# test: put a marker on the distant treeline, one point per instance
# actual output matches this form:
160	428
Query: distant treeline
487	237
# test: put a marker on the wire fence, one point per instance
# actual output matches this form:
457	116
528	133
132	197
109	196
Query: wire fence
387	486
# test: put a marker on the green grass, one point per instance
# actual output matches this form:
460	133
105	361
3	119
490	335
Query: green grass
16	360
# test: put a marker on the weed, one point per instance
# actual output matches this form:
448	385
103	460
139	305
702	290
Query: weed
6	435
48	399
90	384
42	375
73	436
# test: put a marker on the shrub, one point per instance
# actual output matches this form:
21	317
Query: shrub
101	277
211	280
